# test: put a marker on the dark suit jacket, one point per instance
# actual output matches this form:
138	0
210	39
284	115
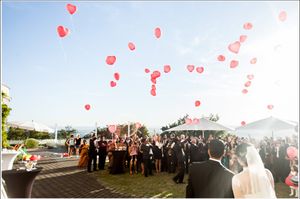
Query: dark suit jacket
209	179
178	152
145	150
194	153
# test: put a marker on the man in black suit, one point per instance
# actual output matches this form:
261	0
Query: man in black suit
102	152
92	154
210	179
145	150
194	152
180	156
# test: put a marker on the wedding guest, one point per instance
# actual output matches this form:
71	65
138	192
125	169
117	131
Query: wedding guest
180	156
194	151
111	147
71	145
84	155
140	163
145	150
92	154
157	152
77	144
290	183
102	152
133	152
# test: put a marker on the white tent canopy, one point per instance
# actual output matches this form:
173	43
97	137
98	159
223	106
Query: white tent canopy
270	127
31	125
203	125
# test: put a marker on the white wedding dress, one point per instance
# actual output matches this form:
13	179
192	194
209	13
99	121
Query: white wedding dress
254	181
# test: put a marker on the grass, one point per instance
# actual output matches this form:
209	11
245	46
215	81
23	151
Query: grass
157	186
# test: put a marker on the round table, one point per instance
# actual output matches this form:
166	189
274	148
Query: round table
118	162
8	158
19	182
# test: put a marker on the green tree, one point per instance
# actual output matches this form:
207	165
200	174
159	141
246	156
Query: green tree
5	113
65	133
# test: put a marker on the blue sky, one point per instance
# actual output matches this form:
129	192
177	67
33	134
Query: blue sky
51	79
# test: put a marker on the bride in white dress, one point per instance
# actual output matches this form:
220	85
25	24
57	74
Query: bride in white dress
254	181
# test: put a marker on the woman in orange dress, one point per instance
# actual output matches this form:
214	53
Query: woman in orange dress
83	161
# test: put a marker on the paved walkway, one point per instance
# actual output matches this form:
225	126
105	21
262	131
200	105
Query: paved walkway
61	178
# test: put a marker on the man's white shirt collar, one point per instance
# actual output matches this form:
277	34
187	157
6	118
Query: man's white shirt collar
215	160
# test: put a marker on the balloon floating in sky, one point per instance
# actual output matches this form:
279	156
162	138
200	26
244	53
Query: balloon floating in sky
253	60
110	60
248	26
243	38
62	31
138	125
71	8
188	121
153	87
250	77
157	32
112	128
196	121
190	68
117	76
221	58
197	103
244	91
234	63
131	46
200	69
282	16
167	68
234	47
87	107
147	70
248	83
243	123
270	106
113	83
153	92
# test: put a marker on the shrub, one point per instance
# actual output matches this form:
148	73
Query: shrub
31	143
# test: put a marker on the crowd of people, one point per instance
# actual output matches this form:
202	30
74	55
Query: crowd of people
175	154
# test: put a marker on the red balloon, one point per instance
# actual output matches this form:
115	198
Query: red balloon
153	92
270	106
137	125
153	87
113	83
167	68
87	107
234	47
62	31
200	69
196	121
243	123
131	46
197	103
253	60
221	58
153	80
117	76
243	38
190	68
71	8
188	121
248	26
110	60
244	91
250	77
34	158
112	128
248	83
156	74
147	70
234	63
282	16
157	32
292	152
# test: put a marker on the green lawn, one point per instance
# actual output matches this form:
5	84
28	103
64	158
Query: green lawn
159	185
